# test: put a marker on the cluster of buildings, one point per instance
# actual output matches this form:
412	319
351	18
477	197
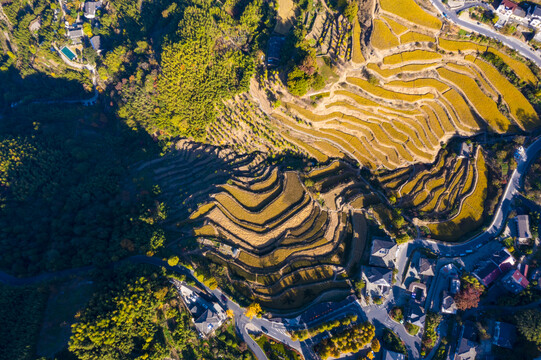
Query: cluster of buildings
503	266
378	278
509	10
75	32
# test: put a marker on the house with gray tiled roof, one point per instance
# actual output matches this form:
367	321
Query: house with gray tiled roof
378	280
383	253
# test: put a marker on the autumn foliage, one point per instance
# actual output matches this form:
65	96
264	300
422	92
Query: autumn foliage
470	293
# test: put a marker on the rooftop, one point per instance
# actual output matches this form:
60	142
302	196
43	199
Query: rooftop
426	266
383	253
505	335
378	276
523	227
448	305
416	314
391	355
95	41
466	350
508	4
515	281
91	7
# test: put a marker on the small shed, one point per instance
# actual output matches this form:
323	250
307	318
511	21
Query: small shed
523	227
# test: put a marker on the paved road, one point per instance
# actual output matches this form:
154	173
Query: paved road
513	43
379	316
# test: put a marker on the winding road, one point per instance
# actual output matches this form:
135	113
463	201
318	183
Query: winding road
444	249
521	47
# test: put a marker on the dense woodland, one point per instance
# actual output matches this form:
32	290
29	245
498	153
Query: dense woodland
136	313
21	311
66	203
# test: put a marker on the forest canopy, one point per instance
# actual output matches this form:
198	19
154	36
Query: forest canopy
199	70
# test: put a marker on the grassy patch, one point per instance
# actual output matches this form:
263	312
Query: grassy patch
276	350
486	107
396	27
420	83
326	71
521	69
520	107
202	210
399	70
411	329
412	36
453	45
252	200
292	194
266	183
463	112
357	55
433	122
312	151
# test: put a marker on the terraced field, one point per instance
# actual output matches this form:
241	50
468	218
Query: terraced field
471	210
406	93
289	248
451	191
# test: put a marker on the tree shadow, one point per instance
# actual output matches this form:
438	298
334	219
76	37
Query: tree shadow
19	91
66	199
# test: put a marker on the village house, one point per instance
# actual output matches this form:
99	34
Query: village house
416	314
465	150
448	305
506	8
206	315
95	42
522	228
75	33
504	335
90	9
378	280
467	347
426	268
383	253
535	16
499	263
515	281
391	355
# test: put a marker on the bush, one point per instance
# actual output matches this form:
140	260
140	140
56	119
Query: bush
173	261
411	329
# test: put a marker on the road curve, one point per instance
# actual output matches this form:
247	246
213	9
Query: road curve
513	186
513	43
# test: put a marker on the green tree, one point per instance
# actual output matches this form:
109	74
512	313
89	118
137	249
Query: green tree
529	325
350	11
173	261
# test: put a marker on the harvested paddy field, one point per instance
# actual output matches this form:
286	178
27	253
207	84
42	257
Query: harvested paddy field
290	242
447	196
409	90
